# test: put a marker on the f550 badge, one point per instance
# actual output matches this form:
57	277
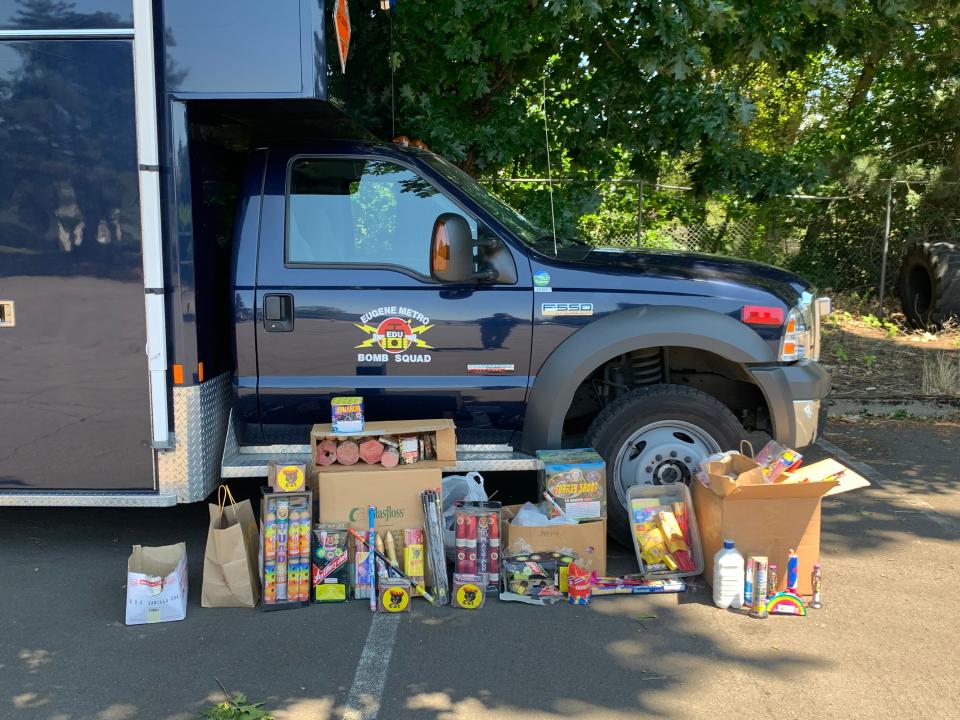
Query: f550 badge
565	309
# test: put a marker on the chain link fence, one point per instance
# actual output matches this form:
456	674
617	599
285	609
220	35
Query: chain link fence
837	242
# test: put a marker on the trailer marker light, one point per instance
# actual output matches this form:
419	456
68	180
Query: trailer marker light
199	372
178	374
761	315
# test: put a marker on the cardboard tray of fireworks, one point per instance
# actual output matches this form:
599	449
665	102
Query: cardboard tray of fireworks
436	446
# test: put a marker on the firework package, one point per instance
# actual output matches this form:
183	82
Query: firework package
575	483
346	414
384	445
477	542
468	591
286	519
665	534
331	569
534	576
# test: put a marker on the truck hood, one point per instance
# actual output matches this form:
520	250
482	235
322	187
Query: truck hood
785	285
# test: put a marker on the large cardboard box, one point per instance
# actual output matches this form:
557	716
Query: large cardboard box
588	540
344	497
769	518
444	432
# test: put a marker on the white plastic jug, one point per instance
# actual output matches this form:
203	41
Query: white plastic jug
728	577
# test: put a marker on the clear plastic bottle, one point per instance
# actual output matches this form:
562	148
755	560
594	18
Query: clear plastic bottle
728	577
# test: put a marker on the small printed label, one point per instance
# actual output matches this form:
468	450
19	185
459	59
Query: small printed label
153	615
543	289
582	510
541	278
494	369
565	309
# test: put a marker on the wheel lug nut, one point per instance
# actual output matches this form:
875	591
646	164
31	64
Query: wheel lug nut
687	460
649	469
673	453
659	458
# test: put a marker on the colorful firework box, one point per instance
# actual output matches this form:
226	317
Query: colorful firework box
634	585
346	414
330	567
286	519
576	479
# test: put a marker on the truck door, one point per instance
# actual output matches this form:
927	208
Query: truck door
345	304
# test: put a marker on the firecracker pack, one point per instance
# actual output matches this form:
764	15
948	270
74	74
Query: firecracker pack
330	564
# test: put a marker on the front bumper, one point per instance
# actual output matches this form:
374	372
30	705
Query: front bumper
795	396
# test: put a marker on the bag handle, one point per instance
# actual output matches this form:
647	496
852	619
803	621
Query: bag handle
752	455
224	494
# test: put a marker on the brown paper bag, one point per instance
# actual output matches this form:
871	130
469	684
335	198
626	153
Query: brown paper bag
230	576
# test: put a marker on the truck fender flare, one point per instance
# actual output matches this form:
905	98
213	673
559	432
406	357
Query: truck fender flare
620	332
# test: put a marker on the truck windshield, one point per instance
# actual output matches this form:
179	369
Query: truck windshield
514	221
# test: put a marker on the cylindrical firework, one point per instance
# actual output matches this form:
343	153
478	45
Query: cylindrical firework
269	583
758	603
483	544
748	581
816	580
493	567
772	580
270	536
793	565
460	541
293	538
305	578
371	562
470	542
281	581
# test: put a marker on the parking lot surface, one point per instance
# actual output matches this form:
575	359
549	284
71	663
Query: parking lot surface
885	644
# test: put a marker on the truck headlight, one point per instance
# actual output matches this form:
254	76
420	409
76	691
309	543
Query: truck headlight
801	334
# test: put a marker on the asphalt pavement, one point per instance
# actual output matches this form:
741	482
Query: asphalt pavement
884	645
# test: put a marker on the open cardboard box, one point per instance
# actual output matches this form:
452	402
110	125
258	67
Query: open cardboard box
443	430
768	518
588	540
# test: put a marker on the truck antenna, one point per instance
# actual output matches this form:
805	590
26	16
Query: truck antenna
546	136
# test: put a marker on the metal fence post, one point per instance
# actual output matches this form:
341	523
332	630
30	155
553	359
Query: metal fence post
640	214
886	249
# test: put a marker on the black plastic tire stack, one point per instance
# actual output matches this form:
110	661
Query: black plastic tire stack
929	283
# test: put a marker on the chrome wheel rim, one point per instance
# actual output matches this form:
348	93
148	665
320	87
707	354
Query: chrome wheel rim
661	453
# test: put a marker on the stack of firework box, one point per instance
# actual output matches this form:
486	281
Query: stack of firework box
477	540
285	550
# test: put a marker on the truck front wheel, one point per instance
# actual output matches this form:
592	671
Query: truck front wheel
657	435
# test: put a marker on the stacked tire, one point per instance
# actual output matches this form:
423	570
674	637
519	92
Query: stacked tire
929	284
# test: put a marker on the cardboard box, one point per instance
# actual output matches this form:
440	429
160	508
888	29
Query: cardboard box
769	518
345	496
576	479
443	430
588	540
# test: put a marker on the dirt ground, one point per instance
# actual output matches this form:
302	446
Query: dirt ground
885	645
868	357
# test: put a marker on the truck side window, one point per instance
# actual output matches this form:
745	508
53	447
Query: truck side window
369	212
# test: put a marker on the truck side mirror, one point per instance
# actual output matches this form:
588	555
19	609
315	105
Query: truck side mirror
451	249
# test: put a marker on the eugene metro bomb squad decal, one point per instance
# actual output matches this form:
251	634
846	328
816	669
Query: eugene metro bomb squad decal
395	330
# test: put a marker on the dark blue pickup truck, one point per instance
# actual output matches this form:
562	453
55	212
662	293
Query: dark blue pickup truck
193	192
383	270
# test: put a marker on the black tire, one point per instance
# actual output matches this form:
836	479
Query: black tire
929	284
615	425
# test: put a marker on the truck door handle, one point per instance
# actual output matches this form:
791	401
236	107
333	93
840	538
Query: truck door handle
278	313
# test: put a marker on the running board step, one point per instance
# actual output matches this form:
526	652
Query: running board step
483	458
76	498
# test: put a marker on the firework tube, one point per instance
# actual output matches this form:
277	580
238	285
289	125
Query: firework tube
554	504
793	564
419	586
371	562
758	603
773	578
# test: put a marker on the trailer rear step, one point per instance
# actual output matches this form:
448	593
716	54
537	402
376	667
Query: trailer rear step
252	460
80	498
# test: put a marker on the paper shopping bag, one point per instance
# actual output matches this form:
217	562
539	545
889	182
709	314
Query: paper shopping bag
156	584
230	576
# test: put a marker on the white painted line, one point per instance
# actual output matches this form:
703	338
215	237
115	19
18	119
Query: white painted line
926	509
363	702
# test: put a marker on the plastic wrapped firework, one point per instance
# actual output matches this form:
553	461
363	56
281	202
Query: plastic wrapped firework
436	559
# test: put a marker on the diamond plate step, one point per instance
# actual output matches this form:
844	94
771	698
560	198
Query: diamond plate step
76	498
